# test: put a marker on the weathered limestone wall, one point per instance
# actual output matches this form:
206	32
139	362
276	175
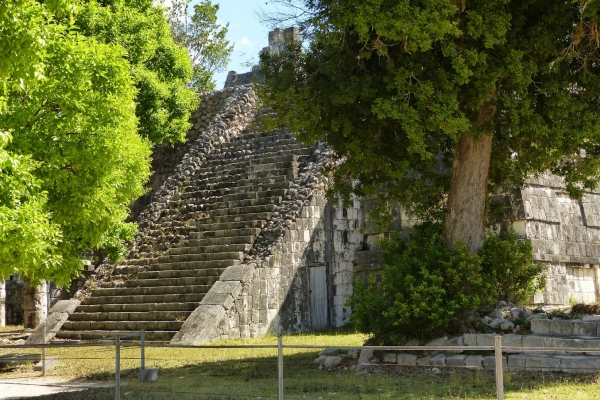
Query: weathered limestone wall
565	235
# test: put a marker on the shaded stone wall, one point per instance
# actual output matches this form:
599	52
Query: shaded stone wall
14	301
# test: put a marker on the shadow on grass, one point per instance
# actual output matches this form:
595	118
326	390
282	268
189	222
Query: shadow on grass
256	377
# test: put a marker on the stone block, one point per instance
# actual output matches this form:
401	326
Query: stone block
201	326
561	327
485	339
574	343
389	358
423	361
512	340
366	357
320	360
470	339
533	341
233	288
592	343
407	359
489	362
440	359
455	341
474	361
538	362
456	360
437	342
516	362
332	361
579	364
218	299
540	326
237	273
554	342
51	363
582	328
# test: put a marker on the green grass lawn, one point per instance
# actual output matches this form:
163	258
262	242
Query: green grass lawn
252	373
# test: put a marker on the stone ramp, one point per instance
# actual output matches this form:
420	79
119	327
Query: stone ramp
209	223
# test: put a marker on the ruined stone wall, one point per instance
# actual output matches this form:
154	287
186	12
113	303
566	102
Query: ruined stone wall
564	233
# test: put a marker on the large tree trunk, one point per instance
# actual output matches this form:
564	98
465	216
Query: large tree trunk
465	215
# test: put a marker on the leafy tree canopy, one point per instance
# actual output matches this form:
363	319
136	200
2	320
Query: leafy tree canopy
71	160
159	67
426	102
204	39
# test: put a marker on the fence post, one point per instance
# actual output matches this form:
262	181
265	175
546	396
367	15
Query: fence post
499	372
43	350
280	365
118	368
142	356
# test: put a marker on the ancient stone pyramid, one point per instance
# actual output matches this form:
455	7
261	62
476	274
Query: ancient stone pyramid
212	237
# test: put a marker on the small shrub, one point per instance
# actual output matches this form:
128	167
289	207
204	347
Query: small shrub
507	263
427	290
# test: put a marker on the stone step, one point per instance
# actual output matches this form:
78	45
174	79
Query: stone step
222	219
196	194
208	228
227	157
182	280
123	325
144	291
223	248
587	326
236	173
171	258
130	316
243	163
235	211
254	202
137	307
150	336
245	142
233	234
146	299
212	273
212	264
259	194
279	184
215	241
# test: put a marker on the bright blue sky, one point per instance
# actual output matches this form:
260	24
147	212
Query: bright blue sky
245	31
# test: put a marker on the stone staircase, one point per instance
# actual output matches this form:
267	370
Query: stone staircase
209	224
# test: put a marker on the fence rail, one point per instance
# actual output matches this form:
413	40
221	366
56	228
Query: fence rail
130	339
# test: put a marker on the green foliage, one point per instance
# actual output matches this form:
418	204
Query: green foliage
392	85
507	263
204	39
75	161
426	289
159	67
